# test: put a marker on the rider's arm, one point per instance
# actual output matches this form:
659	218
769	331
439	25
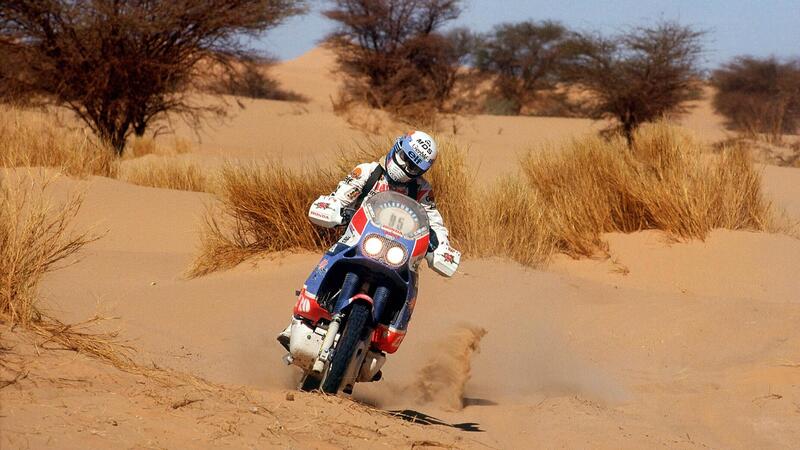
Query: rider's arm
443	259
426	199
330	211
348	189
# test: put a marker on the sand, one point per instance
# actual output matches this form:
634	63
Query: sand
677	344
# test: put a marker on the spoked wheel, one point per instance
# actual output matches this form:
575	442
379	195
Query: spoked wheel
348	342
310	382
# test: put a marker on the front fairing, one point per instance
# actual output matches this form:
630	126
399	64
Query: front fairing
349	255
394	217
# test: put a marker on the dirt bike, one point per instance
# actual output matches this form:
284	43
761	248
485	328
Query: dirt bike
355	306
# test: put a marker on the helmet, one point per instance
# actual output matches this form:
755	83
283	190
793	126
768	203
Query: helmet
411	156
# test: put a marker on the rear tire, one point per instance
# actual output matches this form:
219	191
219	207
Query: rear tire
348	341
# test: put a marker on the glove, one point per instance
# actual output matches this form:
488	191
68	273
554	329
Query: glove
326	211
444	260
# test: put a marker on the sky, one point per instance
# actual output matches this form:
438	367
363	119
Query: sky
735	27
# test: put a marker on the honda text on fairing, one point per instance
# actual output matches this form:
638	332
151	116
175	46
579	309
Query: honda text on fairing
355	306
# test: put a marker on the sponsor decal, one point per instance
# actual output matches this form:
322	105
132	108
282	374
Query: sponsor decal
356	173
322	264
380	186
415	157
352	194
448	257
323	205
426	145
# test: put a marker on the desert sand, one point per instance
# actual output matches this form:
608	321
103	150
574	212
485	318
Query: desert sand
677	344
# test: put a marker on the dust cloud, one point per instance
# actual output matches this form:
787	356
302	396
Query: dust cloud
444	377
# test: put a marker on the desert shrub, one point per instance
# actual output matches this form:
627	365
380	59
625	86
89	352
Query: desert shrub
665	182
393	54
638	76
454	190
166	173
37	237
31	139
34	239
513	224
263	208
524	59
759	95
121	65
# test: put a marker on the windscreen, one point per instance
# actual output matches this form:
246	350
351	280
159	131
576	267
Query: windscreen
397	212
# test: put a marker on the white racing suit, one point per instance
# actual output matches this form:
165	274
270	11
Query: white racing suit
348	190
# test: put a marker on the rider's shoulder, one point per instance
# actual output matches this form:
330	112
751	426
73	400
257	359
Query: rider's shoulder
362	171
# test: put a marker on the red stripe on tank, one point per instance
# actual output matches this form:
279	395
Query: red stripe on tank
360	220
420	246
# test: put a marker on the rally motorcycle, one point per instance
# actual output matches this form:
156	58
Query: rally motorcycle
355	306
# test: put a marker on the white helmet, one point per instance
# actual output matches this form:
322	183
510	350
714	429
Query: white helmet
411	156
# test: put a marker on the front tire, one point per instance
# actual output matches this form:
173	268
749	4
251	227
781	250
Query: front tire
348	342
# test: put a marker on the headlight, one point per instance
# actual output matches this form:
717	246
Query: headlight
395	255
373	246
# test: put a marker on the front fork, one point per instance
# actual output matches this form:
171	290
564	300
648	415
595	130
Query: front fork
330	337
349	288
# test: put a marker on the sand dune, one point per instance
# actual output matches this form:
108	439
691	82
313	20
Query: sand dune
677	344
299	134
580	354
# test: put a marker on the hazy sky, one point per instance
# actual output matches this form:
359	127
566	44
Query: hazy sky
760	28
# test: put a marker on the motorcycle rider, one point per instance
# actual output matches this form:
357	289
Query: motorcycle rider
401	171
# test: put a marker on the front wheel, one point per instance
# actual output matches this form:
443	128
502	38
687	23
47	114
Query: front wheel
348	342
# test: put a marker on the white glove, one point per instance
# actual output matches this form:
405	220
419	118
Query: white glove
444	260
326	211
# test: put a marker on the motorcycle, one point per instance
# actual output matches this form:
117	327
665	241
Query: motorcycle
356	304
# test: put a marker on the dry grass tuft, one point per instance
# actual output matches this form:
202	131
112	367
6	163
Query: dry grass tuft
512	224
263	209
455	197
167	173
36	238
665	182
29	139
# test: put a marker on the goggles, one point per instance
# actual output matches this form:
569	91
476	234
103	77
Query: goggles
401	159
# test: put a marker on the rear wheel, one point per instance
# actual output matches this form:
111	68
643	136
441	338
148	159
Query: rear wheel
348	342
